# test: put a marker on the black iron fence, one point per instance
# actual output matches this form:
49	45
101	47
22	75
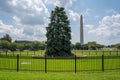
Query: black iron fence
60	64
76	52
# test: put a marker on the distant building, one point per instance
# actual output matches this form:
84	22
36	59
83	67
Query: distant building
23	41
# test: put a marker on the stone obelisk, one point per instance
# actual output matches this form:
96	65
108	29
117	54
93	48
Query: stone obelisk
81	31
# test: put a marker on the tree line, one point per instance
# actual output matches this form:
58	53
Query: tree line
88	46
7	44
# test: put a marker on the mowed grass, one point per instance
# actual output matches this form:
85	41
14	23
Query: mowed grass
82	64
88	68
92	61
107	75
96	52
76	52
23	53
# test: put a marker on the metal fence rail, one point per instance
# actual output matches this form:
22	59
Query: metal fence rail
60	64
76	52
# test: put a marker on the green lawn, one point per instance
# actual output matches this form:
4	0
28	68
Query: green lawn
24	53
95	52
88	68
107	75
82	64
76	52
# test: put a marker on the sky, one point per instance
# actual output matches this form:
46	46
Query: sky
27	19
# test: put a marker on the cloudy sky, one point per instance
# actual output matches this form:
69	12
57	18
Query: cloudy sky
27	19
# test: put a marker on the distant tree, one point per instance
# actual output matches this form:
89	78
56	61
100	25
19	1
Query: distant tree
28	46
85	47
117	46
94	46
13	46
99	46
7	38
58	34
42	46
4	44
72	46
20	46
36	45
78	46
91	45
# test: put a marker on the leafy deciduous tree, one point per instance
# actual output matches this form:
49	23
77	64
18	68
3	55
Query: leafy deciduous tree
7	38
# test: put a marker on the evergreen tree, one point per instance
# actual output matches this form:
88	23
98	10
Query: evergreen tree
58	34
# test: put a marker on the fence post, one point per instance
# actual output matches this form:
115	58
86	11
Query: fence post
20	53
34	52
17	62
110	52
96	52
117	52
6	53
45	64
40	51
27	53
103	53
75	63
102	63
82	52
13	53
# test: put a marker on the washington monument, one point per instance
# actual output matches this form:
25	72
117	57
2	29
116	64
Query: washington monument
81	31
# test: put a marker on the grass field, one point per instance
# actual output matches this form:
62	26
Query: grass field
60	64
88	68
76	52
107	75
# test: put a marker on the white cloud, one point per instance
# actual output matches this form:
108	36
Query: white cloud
112	11
9	29
96	17
109	28
29	16
86	12
23	33
16	19
61	3
34	33
32	12
87	26
74	15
